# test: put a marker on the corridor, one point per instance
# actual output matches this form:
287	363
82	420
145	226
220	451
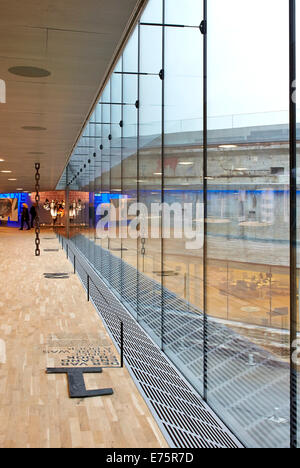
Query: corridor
35	312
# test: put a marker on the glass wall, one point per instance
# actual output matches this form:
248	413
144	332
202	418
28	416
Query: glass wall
150	160
180	188
297	293
248	186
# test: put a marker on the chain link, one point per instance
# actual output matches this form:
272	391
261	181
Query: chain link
37	219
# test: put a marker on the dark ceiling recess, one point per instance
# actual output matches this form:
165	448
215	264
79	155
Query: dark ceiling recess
29	72
34	129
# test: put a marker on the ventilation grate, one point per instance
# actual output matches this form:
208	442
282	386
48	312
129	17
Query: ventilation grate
184	418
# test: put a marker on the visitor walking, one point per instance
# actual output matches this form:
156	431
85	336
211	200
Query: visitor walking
33	215
25	217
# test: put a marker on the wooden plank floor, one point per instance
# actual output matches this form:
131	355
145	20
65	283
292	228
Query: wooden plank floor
35	410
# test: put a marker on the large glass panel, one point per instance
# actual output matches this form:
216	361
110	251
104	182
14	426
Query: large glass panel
115	243
150	173
130	170
248	221
188	13
140	160
106	164
182	269
81	219
98	187
89	171
153	12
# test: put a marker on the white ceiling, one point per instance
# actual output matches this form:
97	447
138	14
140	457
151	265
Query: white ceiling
75	40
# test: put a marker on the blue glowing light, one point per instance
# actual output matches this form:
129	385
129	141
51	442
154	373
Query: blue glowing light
22	198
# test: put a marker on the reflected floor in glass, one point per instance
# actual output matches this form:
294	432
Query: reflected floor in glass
236	364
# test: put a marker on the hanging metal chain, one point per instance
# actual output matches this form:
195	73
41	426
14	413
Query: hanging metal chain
37	219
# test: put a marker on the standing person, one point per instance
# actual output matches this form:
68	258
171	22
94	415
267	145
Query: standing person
25	217
33	215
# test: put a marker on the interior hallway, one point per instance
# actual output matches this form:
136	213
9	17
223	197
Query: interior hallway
35	409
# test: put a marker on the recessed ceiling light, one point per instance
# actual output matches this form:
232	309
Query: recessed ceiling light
241	169
227	146
2	160
34	129
157	173
6	172
12	180
186	163
29	72
19	189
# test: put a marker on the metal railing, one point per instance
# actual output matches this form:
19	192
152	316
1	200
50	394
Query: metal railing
65	246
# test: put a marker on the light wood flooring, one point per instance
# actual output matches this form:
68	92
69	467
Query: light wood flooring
35	409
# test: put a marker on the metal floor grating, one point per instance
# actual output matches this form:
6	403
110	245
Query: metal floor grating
183	417
253	399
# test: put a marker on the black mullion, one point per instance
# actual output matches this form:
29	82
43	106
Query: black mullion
119	103
136	73
293	226
105	123
122	168
205	199
94	193
166	25
67	204
110	178
138	165
163	172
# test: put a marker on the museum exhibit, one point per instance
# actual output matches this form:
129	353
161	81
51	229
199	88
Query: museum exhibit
149	226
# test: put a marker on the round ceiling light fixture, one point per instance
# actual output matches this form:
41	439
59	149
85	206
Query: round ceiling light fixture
29	72
33	129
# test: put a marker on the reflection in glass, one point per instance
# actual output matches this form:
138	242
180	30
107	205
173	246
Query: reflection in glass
145	143
248	221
